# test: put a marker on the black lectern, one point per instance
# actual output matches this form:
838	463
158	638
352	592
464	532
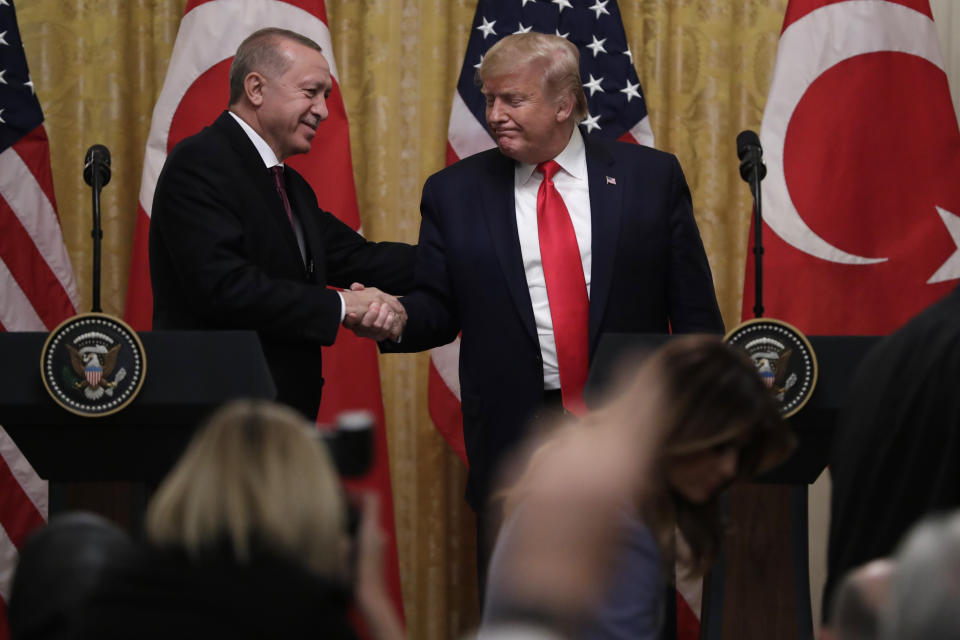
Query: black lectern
189	373
760	586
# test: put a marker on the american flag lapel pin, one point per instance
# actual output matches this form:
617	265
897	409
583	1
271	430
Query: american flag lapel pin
611	180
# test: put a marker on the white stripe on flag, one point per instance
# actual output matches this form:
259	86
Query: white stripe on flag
446	360
16	312
201	44
33	209
466	134
642	132
8	562
33	485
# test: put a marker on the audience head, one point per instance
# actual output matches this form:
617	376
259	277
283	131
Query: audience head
254	478
860	599
924	598
534	94
279	83
60	566
720	423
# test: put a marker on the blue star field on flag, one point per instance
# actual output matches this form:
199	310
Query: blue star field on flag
19	108
606	63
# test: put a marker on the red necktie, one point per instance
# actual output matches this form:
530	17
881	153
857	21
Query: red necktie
282	190
566	288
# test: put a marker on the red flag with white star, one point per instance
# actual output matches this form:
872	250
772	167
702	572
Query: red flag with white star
862	196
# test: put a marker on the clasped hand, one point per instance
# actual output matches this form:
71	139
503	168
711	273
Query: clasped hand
371	313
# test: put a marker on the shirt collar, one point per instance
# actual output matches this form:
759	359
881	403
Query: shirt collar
572	160
266	153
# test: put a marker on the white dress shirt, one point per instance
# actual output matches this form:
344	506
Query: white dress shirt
573	186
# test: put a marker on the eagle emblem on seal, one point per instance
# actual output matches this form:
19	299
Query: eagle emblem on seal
93	360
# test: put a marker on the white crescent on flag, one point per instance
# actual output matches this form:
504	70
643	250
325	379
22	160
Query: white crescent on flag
863	148
836	32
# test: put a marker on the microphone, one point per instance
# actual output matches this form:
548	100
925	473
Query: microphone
751	155
96	166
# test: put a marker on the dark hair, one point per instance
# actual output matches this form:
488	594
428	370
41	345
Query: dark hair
713	396
260	52
60	567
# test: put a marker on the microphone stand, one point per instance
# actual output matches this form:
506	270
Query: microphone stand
97	234
757	241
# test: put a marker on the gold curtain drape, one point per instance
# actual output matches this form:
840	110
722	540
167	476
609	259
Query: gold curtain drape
98	66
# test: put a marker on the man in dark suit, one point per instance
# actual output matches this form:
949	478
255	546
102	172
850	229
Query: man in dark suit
532	292
237	241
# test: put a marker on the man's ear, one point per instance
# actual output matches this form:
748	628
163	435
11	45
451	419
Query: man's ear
565	103
253	86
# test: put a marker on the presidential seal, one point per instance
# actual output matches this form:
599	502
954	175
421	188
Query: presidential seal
93	364
784	359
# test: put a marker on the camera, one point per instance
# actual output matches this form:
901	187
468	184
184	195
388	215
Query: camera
350	442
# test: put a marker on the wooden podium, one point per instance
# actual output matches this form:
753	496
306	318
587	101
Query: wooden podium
759	587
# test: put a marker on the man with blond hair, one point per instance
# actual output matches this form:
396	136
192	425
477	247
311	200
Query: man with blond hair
534	249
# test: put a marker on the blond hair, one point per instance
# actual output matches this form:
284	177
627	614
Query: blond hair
559	58
254	477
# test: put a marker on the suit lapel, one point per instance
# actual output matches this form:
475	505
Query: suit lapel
301	204
499	210
262	180
606	209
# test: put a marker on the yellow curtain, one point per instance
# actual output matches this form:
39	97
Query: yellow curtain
98	66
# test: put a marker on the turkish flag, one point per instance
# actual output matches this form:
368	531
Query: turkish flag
861	198
194	93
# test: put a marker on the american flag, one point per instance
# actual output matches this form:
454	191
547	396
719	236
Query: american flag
37	288
617	110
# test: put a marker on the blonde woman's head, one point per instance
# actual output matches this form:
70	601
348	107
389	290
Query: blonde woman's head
254	477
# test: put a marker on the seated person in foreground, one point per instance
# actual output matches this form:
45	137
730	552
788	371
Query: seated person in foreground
718	424
59	569
248	539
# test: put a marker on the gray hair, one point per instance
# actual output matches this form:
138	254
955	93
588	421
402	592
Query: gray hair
925	591
260	52
859	601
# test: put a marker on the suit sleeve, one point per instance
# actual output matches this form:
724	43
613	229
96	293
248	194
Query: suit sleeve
350	258
387	266
691	296
433	319
200	238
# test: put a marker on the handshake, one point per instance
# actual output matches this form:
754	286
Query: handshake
371	313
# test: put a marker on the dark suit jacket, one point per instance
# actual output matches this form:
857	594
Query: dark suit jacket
649	275
895	456
224	256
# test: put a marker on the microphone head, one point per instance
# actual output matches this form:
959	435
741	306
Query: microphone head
746	140
97	163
